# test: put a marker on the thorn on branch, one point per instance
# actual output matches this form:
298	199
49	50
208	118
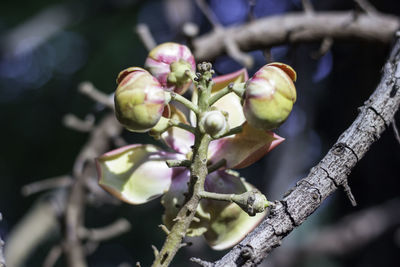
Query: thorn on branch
349	194
164	228
185	244
155	251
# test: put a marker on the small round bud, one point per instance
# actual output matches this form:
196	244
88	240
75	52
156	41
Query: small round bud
214	123
168	62
252	201
269	96
139	100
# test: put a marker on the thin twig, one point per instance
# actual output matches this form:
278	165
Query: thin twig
308	7
73	122
116	228
230	45
325	46
46	184
367	7
88	89
53	256
396	131
143	31
298	28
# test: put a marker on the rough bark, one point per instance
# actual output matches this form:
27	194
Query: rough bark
2	260
330	173
298	27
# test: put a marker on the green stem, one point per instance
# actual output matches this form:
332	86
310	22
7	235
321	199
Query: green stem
217	165
217	196
198	173
184	101
183	126
238	89
178	163
185	216
236	130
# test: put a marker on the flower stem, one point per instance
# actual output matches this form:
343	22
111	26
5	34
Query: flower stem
184	101
198	173
238	89
182	125
217	165
235	130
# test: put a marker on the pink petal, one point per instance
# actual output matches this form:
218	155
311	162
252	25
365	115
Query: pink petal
245	148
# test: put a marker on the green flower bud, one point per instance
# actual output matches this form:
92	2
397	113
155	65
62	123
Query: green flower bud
169	63
269	96
139	100
214	123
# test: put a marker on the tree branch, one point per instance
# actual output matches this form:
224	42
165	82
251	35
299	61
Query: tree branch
296	28
2	261
331	172
351	233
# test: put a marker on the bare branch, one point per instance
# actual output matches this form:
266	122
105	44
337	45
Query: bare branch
298	27
351	233
117	228
229	43
143	31
88	89
332	171
46	184
73	122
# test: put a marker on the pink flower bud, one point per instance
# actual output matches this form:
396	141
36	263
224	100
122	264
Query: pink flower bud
169	62
269	96
139	99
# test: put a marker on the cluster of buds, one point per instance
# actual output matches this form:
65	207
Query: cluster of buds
237	114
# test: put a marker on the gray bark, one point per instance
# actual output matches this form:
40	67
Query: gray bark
330	174
298	28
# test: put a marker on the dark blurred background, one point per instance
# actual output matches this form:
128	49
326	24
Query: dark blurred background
49	47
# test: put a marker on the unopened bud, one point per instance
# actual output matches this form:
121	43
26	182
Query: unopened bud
139	100
252	202
269	96
169	62
214	123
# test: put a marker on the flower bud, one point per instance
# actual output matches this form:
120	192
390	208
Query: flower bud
139	100
169	62
214	123
269	96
